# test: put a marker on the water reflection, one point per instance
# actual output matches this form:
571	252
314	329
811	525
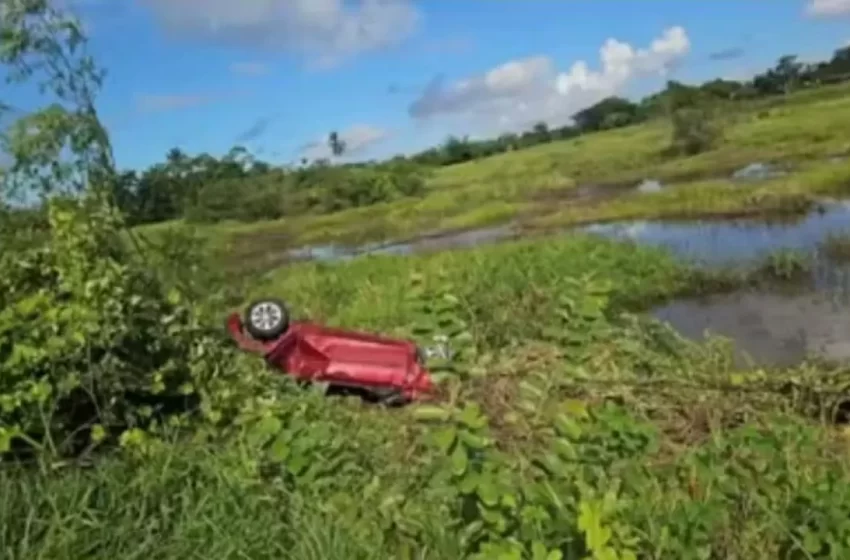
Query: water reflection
457	240
770	328
732	241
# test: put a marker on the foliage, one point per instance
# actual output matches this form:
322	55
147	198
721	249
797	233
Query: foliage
567	427
694	131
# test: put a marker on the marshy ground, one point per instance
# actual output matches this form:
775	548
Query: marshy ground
588	414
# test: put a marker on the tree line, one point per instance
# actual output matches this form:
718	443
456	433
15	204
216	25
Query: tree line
239	186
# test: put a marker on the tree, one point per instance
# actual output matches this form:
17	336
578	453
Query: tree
594	117
336	144
788	71
541	132
40	42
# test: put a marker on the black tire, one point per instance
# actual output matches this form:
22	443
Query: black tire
266	319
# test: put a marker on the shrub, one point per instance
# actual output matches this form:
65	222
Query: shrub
92	341
694	131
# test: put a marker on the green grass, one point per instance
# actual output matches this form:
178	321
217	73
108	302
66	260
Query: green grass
508	291
535	185
712	198
696	455
565	396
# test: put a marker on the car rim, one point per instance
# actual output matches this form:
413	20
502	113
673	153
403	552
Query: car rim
266	316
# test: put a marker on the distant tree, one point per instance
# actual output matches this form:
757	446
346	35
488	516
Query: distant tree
336	144
594	117
541	132
788	71
457	150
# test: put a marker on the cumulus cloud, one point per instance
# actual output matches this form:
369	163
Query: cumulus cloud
358	138
325	30
827	8
531	89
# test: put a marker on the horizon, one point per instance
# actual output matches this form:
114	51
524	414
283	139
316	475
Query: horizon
400	76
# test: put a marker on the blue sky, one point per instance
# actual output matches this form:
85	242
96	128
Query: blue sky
395	76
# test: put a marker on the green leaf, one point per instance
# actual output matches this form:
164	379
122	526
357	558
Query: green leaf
487	491
567	427
538	551
263	430
811	542
460	460
445	438
279	449
429	413
471	417
473	441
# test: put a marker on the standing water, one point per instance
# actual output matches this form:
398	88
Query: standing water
770	328
733	241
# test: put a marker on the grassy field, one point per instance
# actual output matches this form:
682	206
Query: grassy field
569	428
538	186
567	425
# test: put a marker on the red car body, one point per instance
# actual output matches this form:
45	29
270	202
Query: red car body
342	358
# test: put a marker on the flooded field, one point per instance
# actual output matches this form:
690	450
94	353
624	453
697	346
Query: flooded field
424	244
771	327
739	241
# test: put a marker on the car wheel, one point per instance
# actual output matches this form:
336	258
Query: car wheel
266	319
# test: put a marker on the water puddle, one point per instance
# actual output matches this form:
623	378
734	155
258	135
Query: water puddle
425	244
769	329
733	242
649	186
442	242
758	171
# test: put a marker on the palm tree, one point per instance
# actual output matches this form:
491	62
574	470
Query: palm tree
336	144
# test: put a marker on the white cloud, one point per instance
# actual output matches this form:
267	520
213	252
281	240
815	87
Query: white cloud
249	68
826	8
527	90
358	138
325	30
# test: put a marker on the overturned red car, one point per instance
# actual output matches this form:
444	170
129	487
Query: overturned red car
384	369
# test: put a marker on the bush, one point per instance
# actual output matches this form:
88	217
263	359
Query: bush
694	131
247	200
92	340
321	188
367	186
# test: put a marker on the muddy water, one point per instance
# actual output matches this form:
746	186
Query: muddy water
732	241
773	327
459	240
759	171
425	244
768	328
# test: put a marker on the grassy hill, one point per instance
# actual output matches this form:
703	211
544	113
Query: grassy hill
538	186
